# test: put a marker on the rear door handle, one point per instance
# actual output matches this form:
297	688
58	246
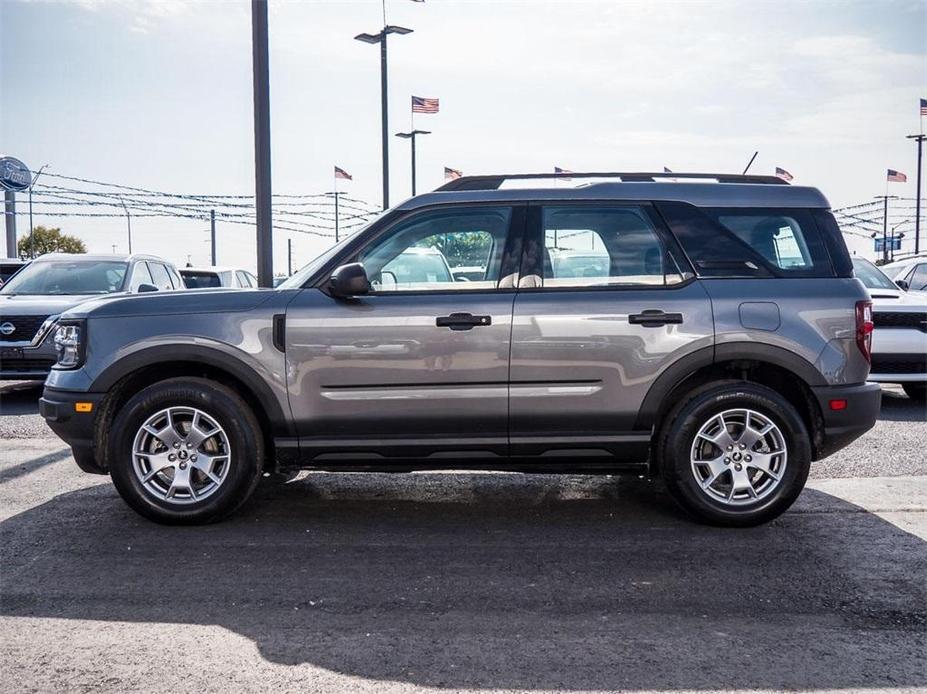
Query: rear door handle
462	321
652	318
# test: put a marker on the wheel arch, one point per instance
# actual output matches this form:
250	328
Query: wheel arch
787	373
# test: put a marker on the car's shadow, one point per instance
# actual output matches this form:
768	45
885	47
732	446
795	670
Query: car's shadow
898	407
505	581
20	397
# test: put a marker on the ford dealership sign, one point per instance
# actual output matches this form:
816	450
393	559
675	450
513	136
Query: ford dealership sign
14	175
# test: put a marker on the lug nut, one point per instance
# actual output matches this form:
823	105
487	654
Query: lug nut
189	445
730	448
727	460
183	466
193	458
172	457
748	458
743	445
176	444
736	467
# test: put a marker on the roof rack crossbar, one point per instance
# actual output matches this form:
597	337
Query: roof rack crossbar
495	181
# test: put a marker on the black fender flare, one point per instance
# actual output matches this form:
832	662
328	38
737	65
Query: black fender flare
685	366
208	356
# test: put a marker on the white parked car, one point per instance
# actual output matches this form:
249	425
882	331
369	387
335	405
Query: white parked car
909	274
899	341
214	276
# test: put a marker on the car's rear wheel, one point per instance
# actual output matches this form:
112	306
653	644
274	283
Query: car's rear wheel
186	451
915	391
734	453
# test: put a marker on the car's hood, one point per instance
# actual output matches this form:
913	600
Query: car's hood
896	298
177	302
41	305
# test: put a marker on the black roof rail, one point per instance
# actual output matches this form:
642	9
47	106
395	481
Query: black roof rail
494	181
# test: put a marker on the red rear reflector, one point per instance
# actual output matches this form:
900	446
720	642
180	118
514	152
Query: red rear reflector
838	405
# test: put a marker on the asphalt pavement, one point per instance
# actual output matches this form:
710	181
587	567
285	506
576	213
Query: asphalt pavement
464	582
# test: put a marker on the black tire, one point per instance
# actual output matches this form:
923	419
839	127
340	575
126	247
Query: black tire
229	411
915	391
675	441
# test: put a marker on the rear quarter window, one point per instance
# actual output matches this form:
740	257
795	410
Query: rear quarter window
750	242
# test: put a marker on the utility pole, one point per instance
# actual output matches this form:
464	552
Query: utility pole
9	213
212	236
289	257
917	195
262	196
885	199
411	136
128	223
337	221
380	38
31	226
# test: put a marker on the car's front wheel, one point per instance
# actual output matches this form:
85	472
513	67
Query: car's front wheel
186	451
735	453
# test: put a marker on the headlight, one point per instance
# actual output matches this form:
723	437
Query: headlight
69	341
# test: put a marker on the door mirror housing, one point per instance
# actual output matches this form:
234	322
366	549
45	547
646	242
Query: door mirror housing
349	280
145	287
902	284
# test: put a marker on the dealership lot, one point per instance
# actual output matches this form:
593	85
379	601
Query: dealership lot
464	581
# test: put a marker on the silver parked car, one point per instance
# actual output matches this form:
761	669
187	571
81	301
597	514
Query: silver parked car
716	338
214	276
33	298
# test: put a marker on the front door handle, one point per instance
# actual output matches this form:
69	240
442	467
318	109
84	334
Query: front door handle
653	318
462	321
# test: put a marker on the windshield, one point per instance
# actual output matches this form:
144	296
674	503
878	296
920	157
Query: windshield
200	280
68	277
871	276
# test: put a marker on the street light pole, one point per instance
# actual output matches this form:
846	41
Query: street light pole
411	136
31	227
917	195
262	192
212	236
380	38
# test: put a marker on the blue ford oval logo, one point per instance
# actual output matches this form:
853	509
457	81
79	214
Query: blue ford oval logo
14	175
7	328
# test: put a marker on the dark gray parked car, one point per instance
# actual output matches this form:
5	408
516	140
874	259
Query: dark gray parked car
33	298
723	346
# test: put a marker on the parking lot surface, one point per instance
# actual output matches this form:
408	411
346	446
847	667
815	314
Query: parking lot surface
460	582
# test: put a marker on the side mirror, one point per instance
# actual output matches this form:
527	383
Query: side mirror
145	287
902	284
349	280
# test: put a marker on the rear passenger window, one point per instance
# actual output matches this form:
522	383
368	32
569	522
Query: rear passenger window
778	238
601	246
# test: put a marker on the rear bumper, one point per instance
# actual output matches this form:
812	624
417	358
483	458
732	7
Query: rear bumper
843	426
75	428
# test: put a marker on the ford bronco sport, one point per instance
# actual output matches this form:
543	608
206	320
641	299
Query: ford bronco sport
705	329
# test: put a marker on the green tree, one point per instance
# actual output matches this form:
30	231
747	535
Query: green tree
45	240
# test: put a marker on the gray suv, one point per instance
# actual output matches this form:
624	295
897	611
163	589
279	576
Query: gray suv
33	298
707	331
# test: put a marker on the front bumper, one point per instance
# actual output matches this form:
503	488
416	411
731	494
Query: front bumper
58	407
25	362
843	426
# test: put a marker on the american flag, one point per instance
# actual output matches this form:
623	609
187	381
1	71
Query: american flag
924	107
896	177
452	174
420	104
783	174
341	173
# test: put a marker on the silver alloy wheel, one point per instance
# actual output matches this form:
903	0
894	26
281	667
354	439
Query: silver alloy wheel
181	455
738	457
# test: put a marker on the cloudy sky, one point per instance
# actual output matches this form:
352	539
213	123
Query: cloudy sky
158	95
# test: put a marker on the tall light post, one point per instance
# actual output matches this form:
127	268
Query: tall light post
885	199
380	38
32	228
262	188
917	194
411	136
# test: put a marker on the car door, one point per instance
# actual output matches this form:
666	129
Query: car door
605	305
419	366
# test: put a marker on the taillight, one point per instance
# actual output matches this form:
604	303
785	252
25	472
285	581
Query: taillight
864	328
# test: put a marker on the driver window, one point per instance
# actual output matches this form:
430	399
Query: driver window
140	276
447	250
